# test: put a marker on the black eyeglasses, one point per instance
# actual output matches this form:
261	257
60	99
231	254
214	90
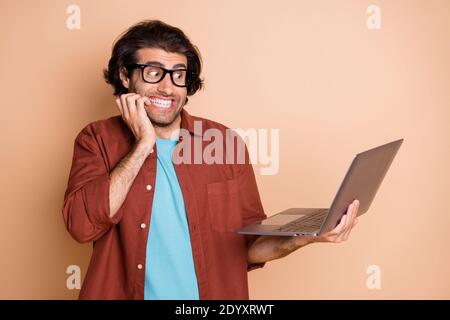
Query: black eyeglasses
153	74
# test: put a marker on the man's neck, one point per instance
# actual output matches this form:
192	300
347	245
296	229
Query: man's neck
166	132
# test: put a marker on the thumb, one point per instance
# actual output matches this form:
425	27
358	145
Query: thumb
146	101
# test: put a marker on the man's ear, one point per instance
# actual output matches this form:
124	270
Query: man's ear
123	74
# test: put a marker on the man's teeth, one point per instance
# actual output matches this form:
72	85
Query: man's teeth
161	103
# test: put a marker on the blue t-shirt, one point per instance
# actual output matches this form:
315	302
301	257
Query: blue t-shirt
169	268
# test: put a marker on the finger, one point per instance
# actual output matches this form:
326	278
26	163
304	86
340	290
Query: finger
341	236
123	100
355	222
346	234
123	103
146	100
131	105
140	104
352	222
348	215
338	229
356	204
352	212
119	105
351	217
355	213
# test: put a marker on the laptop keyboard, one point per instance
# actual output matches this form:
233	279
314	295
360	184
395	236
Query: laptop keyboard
310	223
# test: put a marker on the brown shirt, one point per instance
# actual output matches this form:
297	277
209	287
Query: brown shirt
219	198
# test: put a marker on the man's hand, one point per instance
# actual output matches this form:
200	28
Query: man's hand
342	230
131	107
345	226
267	248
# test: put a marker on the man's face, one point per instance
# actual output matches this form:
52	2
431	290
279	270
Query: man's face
167	100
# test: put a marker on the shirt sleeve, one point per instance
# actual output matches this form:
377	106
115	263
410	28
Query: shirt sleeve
86	200
252	209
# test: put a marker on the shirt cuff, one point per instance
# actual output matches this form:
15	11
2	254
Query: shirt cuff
96	199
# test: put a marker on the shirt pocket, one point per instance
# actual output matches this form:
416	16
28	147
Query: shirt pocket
224	207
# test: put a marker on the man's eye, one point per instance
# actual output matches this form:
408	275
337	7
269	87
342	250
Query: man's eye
153	73
178	75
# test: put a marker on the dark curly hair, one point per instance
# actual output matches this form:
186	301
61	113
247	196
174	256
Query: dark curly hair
152	34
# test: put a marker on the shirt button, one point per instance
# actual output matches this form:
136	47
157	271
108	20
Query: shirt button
149	187
139	266
151	151
143	225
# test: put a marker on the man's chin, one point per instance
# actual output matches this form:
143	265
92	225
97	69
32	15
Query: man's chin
163	122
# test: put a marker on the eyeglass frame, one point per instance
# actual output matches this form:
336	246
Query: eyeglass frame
142	66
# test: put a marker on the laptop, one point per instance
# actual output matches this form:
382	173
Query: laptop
361	182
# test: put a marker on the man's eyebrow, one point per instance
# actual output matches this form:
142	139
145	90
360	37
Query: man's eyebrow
179	65
159	64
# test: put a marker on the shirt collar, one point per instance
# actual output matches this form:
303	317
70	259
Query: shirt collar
187	122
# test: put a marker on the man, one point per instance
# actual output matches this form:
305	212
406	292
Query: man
160	229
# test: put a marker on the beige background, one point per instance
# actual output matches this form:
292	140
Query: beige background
338	88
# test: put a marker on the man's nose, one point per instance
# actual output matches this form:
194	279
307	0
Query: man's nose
165	85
